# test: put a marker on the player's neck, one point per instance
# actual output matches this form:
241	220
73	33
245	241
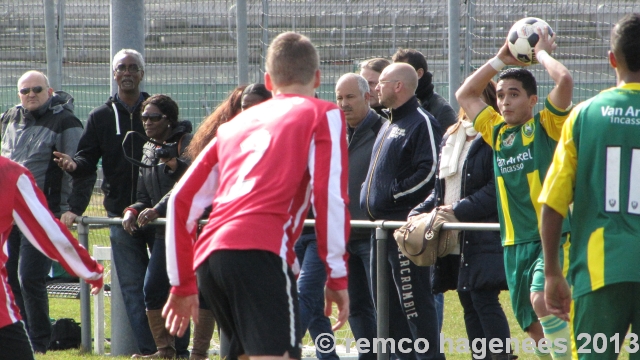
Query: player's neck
296	89
628	77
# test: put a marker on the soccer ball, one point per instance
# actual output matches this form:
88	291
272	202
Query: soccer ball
523	37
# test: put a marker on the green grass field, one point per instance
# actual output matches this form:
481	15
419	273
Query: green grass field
453	328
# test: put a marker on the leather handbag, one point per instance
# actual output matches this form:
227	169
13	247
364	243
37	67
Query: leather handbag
422	239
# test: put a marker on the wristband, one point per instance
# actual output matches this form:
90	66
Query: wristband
542	55
496	63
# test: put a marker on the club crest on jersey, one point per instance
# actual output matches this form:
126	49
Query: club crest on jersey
508	141
528	129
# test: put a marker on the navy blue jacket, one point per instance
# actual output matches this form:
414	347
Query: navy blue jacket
403	163
480	264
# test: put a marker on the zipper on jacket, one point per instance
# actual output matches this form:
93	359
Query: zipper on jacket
373	169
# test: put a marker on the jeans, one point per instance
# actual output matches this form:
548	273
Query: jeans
311	282
15	343
412	309
27	270
439	299
484	317
362	312
131	259
157	287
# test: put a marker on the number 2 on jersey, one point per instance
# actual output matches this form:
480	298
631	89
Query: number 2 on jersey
612	186
256	145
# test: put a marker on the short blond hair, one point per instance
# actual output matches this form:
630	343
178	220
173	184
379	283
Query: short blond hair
292	59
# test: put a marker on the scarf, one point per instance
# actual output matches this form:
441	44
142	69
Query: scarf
450	154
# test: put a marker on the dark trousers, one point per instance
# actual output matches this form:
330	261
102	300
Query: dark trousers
15	343
412	309
484	317
157	287
27	270
362	312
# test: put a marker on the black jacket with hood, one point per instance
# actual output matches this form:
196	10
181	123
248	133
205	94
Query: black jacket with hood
434	103
102	138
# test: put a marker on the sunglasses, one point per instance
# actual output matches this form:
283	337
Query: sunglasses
122	68
35	89
153	117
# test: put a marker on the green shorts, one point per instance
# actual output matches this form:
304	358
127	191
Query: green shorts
524	268
600	316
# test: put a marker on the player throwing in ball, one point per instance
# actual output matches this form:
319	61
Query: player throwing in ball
523	146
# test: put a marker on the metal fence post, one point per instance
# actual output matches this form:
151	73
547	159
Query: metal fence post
243	42
54	55
85	300
127	31
454	52
383	291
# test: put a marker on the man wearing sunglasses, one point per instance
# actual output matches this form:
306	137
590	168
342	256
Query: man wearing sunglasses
43	122
106	128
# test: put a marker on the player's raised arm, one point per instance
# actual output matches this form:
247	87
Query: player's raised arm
561	94
469	95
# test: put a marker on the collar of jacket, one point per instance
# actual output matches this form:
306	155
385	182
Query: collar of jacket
403	110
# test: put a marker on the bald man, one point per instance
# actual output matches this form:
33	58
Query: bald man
401	175
43	122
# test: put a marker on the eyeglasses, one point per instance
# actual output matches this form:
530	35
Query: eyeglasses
153	117
35	89
387	81
122	68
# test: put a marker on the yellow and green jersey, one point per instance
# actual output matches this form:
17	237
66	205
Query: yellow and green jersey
597	166
521	156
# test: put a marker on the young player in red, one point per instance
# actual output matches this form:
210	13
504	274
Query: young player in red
261	172
26	205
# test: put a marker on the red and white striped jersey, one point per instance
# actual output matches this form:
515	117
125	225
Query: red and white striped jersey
261	173
26	205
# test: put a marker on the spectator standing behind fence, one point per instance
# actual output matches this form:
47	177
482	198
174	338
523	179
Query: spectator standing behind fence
102	138
400	176
25	205
254	94
465	187
161	168
370	70
429	99
523	145
363	124
43	122
597	165
257	212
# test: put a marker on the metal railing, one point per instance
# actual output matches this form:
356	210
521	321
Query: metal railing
382	285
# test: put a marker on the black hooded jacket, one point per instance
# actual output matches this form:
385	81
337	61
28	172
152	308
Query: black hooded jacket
102	138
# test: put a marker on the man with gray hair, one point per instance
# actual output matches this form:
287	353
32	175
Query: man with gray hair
363	124
31	131
106	128
400	176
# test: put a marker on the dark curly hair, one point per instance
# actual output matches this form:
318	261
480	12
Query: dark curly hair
167	107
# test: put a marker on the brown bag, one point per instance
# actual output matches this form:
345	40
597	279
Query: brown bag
422	241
